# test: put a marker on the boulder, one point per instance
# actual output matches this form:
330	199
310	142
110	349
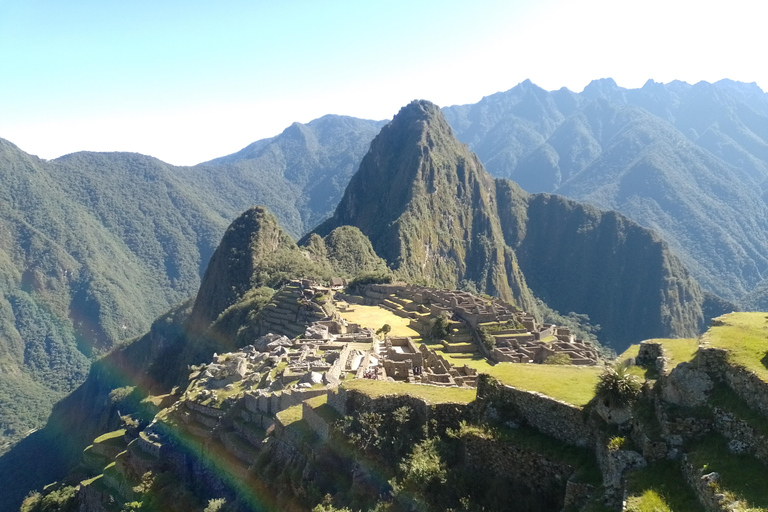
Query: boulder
687	386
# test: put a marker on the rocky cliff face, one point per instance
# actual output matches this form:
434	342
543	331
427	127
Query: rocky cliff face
621	274
427	206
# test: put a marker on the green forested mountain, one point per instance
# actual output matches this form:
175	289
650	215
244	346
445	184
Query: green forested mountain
300	174
420	199
426	203
90	253
688	161
621	274
96	245
436	216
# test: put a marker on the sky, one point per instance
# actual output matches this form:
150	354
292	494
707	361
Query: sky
194	80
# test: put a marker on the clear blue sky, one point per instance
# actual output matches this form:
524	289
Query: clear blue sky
190	81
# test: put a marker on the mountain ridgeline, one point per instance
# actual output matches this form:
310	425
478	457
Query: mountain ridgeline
420	208
619	273
436	216
427	206
96	245
688	161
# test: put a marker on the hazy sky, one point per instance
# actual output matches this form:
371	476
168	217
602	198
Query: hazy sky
189	81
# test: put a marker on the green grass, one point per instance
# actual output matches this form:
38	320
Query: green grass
374	317
631	352
91	480
678	351
111	437
290	415
741	476
321	407
572	384
316	401
745	337
432	394
660	487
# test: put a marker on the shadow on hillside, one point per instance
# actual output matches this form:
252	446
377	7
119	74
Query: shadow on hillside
32	463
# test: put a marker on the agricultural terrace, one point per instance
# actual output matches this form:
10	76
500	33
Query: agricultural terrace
572	384
432	394
676	350
745	337
374	317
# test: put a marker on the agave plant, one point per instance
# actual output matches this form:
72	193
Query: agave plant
617	386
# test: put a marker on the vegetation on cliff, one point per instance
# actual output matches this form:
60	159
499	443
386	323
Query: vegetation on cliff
426	204
620	274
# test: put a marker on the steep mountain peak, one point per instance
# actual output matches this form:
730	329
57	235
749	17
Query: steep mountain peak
427	206
605	88
252	237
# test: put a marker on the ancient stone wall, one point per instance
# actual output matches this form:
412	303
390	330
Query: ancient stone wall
742	436
543	476
746	384
558	419
444	415
315	422
706	488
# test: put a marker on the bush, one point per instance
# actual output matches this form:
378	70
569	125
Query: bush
618	386
383	277
487	338
559	358
439	328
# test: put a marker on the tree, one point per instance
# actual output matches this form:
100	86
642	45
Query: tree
439	329
384	329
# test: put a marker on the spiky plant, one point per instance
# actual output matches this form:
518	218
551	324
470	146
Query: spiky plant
617	386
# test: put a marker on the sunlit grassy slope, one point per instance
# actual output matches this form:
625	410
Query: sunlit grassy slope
432	394
374	317
676	350
745	336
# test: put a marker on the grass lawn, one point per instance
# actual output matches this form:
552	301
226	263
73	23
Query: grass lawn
321	407
432	394
114	437
660	487
675	350
745	336
572	384
741	476
679	350
374	317
290	415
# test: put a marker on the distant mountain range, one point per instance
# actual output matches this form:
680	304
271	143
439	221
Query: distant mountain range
689	161
96	245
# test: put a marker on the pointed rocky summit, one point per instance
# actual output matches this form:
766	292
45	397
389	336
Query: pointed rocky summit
427	205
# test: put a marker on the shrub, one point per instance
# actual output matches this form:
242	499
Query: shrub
558	358
618	386
439	328
487	338
358	282
617	443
